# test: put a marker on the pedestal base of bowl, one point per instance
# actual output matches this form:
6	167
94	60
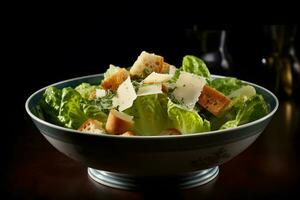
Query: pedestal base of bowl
129	182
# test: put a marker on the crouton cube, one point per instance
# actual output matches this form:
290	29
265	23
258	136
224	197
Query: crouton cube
147	63
92	126
115	80
118	122
128	133
213	100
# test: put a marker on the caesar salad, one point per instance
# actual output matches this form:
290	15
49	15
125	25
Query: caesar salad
153	97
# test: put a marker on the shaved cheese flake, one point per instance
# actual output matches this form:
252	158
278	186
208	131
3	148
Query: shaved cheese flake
149	89
100	93
125	95
157	78
188	88
115	102
172	69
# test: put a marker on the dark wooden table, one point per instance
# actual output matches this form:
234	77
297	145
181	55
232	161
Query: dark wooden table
269	168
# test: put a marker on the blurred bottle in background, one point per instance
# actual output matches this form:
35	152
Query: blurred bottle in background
211	46
281	66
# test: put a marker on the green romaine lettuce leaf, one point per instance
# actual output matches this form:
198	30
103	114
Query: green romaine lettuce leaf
246	90
50	104
226	85
70	112
196	66
68	108
253	108
149	114
86	89
186	121
93	111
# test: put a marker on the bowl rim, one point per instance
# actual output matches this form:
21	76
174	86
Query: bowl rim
269	115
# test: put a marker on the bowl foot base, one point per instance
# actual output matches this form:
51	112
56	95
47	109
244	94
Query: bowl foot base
129	182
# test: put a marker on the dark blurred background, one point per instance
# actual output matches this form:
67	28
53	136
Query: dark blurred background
61	47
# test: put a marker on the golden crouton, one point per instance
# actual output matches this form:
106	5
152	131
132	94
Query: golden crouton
213	100
128	133
165	68
147	63
92	126
118	122
115	80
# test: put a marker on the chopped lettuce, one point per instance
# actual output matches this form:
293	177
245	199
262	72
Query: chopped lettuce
106	102
70	113
246	90
196	66
226	85
254	108
243	110
86	90
149	114
50	104
68	108
93	111
186	121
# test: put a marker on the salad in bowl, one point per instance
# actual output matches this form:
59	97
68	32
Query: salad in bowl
154	98
152	123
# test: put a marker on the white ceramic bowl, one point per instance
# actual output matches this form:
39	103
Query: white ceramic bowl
125	162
